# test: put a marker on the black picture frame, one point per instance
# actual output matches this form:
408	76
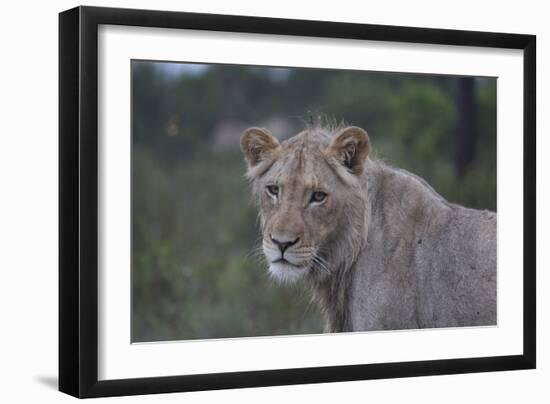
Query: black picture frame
78	201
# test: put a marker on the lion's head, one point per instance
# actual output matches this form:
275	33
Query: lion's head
310	197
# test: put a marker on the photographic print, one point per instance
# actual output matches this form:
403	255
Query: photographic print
238	194
286	201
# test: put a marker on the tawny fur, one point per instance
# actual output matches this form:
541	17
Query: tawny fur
383	250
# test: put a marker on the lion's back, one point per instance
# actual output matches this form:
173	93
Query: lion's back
427	263
456	267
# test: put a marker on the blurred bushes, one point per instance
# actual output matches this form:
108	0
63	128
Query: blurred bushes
195	270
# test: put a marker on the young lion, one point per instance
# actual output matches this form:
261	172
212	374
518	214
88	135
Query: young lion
378	246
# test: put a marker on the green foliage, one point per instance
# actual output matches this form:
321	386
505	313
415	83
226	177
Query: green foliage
196	270
194	273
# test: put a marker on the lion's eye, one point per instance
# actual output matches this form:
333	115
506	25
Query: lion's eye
318	196
273	190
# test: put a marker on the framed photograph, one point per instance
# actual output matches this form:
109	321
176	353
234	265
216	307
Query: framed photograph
252	201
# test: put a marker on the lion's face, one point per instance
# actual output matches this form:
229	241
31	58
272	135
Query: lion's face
302	188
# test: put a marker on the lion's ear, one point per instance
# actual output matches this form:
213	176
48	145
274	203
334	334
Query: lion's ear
350	147
257	144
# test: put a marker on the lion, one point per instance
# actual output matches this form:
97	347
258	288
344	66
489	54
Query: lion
378	247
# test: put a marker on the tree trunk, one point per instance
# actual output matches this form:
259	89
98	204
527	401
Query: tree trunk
466	125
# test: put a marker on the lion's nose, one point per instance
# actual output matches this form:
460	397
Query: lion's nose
283	245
